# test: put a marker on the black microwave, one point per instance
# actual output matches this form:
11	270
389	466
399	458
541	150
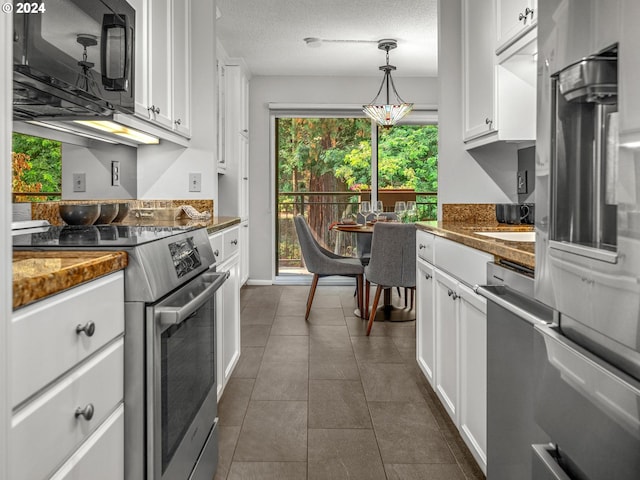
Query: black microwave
73	58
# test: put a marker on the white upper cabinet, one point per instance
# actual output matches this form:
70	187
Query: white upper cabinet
479	65
181	23
163	63
499	91
514	18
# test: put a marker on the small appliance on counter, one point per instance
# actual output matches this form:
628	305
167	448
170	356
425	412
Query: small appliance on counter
515	214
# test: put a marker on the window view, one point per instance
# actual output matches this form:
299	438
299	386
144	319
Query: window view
324	170
36	165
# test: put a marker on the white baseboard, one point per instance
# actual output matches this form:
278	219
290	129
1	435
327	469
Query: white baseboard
261	283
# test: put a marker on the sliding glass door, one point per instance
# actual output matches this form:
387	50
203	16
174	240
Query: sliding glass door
326	165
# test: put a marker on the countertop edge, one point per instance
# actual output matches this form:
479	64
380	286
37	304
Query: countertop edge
220	223
38	287
463	234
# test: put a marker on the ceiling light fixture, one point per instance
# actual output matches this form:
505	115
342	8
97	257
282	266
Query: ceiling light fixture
315	42
388	114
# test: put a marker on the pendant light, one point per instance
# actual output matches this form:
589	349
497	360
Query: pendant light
387	114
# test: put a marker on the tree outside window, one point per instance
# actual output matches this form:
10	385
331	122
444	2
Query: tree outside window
36	168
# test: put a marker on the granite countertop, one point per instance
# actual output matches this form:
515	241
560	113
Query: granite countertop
38	274
522	253
220	223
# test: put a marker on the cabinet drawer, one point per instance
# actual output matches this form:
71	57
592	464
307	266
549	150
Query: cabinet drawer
424	245
464	263
45	343
231	241
216	245
46	430
101	457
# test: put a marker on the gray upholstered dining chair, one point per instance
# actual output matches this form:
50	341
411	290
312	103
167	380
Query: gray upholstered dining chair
393	261
323	263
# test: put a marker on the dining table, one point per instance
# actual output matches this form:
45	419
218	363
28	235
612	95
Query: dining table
388	311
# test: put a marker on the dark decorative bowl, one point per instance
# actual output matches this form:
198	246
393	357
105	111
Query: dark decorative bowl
108	211
123	211
79	214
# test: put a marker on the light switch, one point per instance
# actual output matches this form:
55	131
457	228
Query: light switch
195	182
115	173
522	181
79	182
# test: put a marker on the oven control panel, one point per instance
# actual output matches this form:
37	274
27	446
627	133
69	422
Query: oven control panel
185	256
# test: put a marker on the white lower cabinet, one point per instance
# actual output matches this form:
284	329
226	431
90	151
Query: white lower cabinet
447	328
66	421
472	314
228	245
426	327
451	336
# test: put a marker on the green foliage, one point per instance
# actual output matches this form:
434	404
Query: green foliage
309	148
45	159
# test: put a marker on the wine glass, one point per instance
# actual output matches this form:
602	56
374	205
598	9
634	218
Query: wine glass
378	209
412	211
365	210
400	208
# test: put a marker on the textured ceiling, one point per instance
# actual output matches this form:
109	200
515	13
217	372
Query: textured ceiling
269	35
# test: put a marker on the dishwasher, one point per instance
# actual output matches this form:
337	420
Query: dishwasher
512	313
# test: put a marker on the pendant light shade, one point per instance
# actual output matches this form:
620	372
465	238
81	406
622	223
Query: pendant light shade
387	114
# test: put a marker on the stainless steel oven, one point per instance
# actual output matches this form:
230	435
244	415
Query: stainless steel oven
181	380
170	390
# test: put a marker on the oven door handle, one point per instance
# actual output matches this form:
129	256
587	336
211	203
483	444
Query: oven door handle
172	315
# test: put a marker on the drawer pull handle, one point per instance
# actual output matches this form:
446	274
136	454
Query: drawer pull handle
88	329
452	294
427	276
421	246
86	412
217	253
234	242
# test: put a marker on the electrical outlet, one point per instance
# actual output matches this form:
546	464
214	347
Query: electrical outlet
195	182
522	181
79	182
115	173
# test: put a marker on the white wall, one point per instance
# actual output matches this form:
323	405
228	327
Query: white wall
163	169
487	175
95	163
303	91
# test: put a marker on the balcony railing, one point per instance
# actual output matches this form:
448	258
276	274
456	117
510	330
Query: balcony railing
321	209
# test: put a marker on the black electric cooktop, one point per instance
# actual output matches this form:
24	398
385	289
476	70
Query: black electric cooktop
92	236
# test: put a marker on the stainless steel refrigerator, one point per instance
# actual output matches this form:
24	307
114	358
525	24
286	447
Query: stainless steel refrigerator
587	366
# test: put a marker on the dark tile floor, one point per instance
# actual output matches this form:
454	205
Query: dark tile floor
319	400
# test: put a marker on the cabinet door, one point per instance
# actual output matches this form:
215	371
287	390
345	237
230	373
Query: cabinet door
181	55
231	319
478	68
513	19
160	65
243	186
142	59
447	328
473	373
222	115
244	252
425	321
